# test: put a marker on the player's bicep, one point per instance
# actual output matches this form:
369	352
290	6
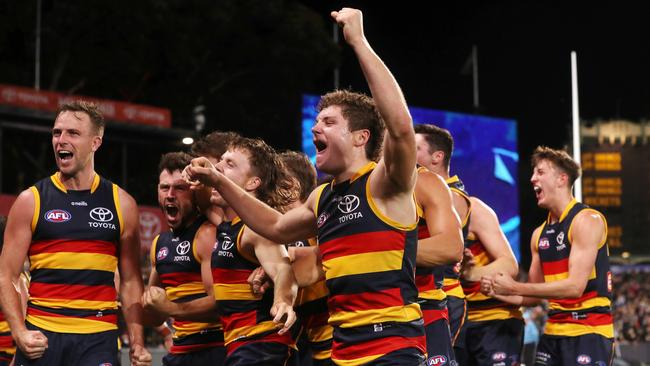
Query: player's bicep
18	233
300	222
586	237
129	265
485	224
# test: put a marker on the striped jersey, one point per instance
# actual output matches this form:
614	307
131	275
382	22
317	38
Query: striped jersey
175	257
369	265
311	307
73	257
244	315
591	312
7	344
451	283
429	280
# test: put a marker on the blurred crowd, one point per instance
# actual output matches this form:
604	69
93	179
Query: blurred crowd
632	305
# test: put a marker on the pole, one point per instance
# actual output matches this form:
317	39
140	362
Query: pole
576	121
337	72
37	61
475	75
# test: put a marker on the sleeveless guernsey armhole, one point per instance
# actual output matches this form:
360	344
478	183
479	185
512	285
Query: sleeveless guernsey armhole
319	192
152	250
195	251
469	204
95	184
539	235
604	240
37	207
387	220
243	252
118	208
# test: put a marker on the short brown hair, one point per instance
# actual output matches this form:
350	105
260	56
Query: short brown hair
560	158
299	166
277	189
173	161
214	144
362	114
90	108
439	139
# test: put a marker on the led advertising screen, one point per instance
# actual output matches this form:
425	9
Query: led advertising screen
485	157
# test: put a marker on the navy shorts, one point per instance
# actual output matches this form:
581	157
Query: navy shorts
65	349
214	356
259	353
490	342
457	309
588	349
439	349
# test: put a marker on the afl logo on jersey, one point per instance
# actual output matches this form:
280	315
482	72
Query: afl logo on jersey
348	203
101	214
183	248
544	243
57	216
162	253
583	359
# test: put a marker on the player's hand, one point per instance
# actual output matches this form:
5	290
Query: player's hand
32	343
503	284
486	286
467	266
140	356
201	171
283	314
351	20
259	281
156	298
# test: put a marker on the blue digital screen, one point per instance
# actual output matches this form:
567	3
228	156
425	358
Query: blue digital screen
485	158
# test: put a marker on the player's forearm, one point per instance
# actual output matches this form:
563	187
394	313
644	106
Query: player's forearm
256	214
131	295
286	287
304	265
518	300
441	249
203	309
385	90
563	289
11	304
500	265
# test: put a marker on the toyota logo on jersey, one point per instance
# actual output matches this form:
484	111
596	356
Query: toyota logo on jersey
101	214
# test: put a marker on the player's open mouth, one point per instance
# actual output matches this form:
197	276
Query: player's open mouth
64	155
171	210
538	190
320	145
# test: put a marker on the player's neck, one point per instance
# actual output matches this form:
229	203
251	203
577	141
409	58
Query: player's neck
557	207
81	181
351	170
439	169
229	214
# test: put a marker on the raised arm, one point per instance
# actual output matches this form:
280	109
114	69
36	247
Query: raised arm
275	261
296	224
398	164
484	224
445	244
17	238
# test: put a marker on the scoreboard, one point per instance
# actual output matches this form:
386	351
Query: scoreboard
616	182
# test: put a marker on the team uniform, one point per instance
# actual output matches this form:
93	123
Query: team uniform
73	257
578	331
433	302
251	336
7	345
315	334
369	265
175	257
456	304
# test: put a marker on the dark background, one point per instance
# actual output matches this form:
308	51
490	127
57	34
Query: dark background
248	62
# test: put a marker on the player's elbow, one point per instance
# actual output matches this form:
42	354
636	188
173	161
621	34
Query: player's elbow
575	289
455	252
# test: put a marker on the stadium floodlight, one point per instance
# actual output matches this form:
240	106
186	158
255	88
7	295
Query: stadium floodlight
188	140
